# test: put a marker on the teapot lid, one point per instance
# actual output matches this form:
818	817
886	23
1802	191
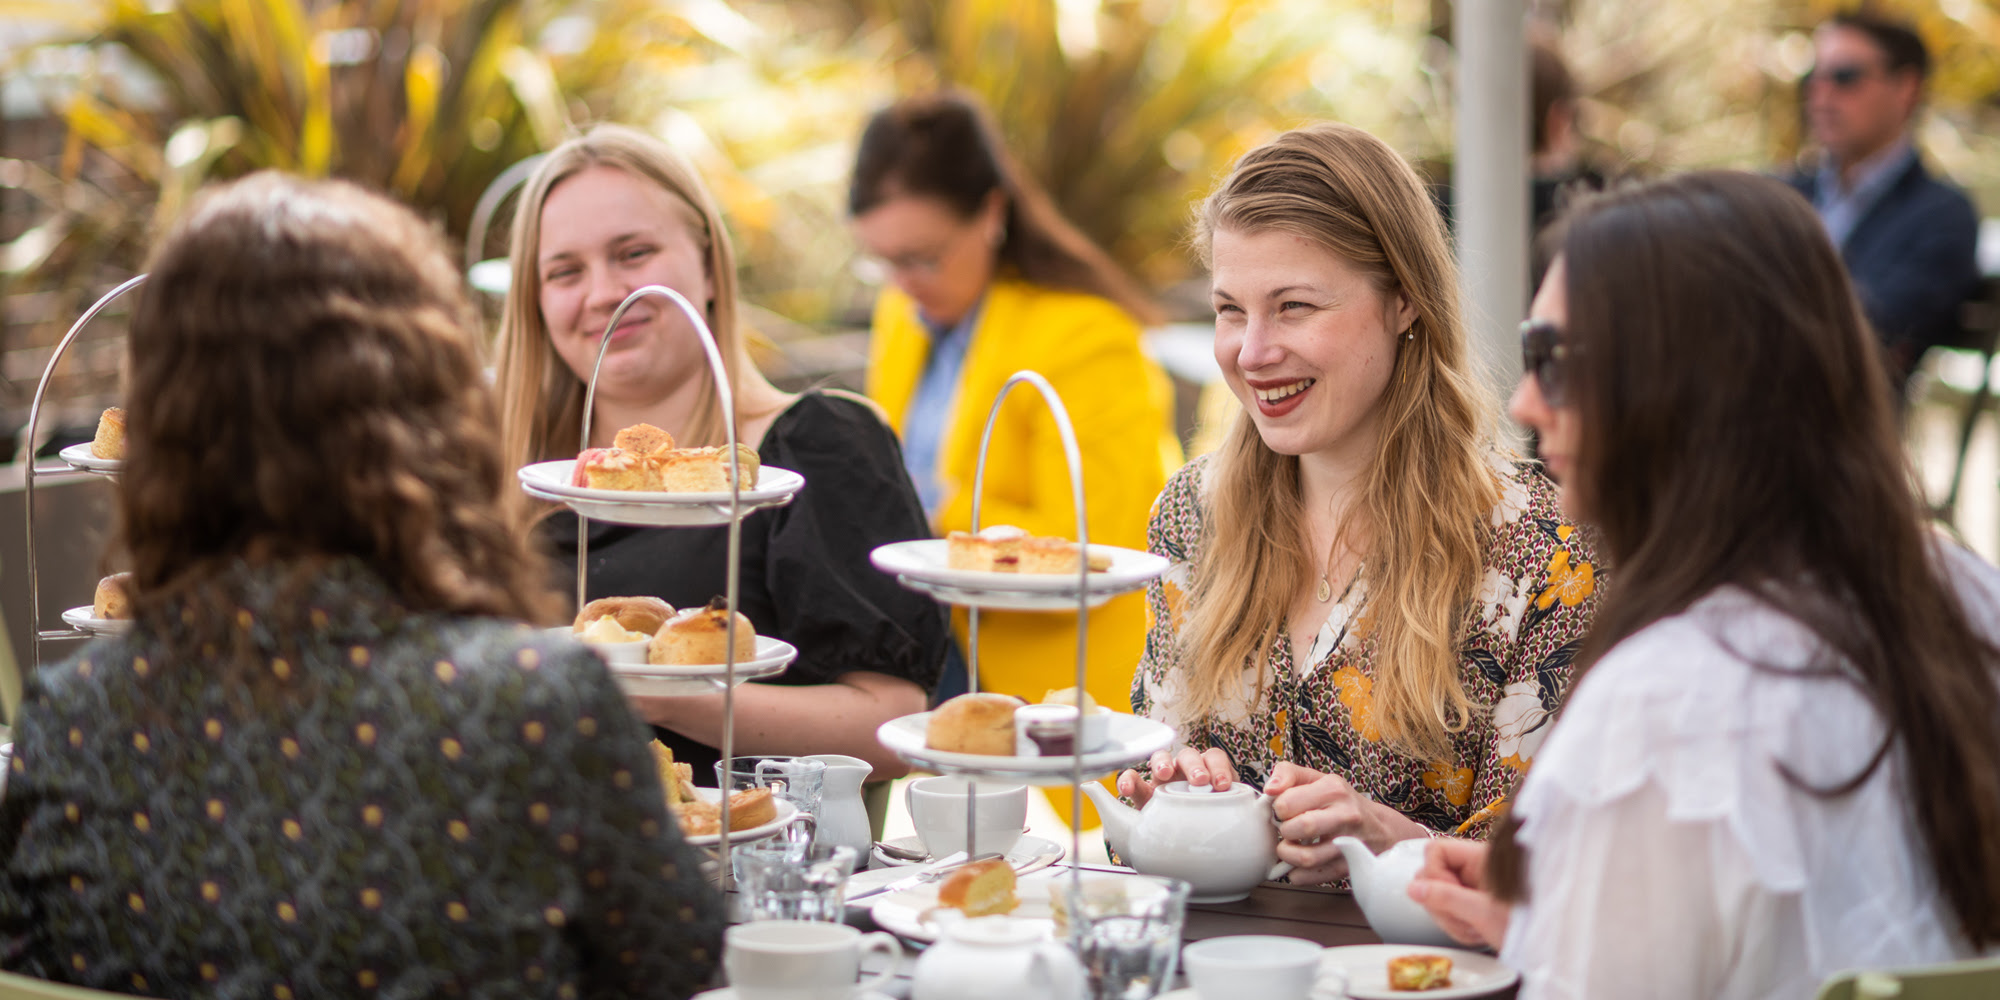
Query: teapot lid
994	930
1183	790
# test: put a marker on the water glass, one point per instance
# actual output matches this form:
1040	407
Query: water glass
1127	932
797	780
776	880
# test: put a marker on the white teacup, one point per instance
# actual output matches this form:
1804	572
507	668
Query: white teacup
803	960
937	809
1258	965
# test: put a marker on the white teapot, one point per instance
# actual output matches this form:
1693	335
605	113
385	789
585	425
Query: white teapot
1382	886
1221	843
996	958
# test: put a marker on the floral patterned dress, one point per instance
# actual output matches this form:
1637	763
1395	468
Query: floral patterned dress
1535	601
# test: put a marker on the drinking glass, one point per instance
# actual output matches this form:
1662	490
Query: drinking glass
797	780
1127	933
776	880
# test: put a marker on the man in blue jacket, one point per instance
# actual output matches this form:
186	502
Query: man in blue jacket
1909	240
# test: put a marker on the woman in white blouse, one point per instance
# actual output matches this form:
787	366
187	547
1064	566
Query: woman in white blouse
1781	757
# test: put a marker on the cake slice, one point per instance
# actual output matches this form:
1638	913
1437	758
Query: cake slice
980	889
996	549
615	469
704	470
1419	972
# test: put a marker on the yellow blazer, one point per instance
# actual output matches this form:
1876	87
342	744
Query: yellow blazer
1120	403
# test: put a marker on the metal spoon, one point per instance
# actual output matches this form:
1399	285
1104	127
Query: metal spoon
902	853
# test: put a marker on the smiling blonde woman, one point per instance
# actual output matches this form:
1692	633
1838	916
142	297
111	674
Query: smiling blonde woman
1371	613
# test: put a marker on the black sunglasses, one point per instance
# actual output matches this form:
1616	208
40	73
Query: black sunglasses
1546	357
1843	77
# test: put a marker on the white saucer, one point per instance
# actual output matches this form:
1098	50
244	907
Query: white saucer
551	481
1133	738
82	619
1367	968
1029	854
923	565
772	657
729	993
79	456
786	813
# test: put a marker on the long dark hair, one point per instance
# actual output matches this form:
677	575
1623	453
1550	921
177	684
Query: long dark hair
945	146
1737	430
304	388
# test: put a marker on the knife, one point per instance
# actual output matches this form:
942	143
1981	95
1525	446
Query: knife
920	878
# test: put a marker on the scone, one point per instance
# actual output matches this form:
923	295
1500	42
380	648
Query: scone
642	439
995	549
700	636
703	470
615	469
974	723
635	614
980	889
112	600
1419	972
110	439
749	808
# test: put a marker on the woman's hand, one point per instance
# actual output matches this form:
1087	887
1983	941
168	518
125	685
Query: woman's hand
1198	767
1313	808
1451	885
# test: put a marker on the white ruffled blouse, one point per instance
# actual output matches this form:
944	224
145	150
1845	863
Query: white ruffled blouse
1668	855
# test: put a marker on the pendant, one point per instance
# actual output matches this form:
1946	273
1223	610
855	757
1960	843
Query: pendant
1325	592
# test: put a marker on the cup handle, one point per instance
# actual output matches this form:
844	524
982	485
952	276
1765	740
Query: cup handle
885	943
1278	871
1329	984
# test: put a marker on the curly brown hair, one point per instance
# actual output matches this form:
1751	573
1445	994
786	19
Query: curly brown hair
304	386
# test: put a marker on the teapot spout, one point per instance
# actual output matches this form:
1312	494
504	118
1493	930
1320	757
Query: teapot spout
1360	860
1118	817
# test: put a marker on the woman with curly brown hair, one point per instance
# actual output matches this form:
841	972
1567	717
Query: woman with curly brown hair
328	758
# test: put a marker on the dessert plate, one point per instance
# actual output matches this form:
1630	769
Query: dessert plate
1367	969
772	657
915	914
787	812
79	456
83	619
551	481
1133	738
923	565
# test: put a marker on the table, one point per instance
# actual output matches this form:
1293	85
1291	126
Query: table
1329	917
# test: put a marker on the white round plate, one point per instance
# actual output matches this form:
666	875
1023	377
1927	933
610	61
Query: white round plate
551	481
79	456
1133	738
772	657
914	913
729	993
1367	969
81	619
1030	854
923	565
786	813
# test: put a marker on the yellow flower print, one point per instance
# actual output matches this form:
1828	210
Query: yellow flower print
1454	782
1278	735
1567	584
1176	604
1357	692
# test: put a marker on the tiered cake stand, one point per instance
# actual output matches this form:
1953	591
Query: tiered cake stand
775	488
82	624
922	566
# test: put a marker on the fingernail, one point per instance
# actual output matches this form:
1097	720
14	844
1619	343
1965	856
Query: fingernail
1197	776
1419	890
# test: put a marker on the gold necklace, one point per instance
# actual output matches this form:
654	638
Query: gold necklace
1325	591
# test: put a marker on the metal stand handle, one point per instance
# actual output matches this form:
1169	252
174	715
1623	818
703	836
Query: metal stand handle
27	458
726	394
1074	456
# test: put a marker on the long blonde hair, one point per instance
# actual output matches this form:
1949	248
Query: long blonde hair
1426	496
541	399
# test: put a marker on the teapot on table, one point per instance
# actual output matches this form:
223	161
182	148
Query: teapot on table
1221	843
1382	886
996	958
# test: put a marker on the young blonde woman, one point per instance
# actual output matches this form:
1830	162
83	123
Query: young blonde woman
1370	612
608	213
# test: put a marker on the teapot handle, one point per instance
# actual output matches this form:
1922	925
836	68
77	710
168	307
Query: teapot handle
1278	871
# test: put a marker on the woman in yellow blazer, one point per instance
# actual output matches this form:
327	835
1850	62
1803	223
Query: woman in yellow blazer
989	279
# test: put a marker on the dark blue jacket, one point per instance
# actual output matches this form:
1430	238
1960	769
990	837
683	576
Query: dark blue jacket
1913	258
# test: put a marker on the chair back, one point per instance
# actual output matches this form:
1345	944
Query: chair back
14	986
1978	979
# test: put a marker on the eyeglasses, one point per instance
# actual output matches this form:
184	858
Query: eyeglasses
1546	357
1845	76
